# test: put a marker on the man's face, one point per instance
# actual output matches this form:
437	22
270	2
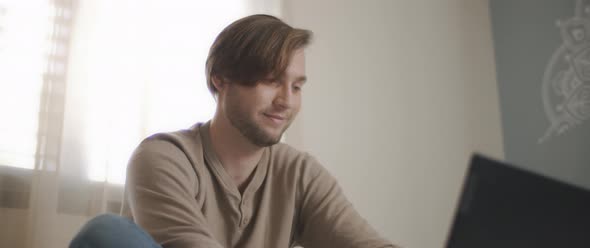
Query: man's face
263	112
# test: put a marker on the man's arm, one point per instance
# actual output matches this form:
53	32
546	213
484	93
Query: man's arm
160	188
328	219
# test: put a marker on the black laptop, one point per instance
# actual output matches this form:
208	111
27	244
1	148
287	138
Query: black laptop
502	206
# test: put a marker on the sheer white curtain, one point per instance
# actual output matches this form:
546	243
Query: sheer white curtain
129	68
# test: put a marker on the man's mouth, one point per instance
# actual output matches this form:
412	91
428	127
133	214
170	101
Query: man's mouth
278	119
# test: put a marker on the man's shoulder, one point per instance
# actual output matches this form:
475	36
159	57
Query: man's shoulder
288	158
286	152
178	135
181	145
179	138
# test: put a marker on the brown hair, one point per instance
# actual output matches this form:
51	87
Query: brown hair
253	48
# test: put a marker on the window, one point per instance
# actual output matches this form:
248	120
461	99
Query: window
81	87
24	42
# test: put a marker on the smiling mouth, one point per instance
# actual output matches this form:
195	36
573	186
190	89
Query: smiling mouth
275	118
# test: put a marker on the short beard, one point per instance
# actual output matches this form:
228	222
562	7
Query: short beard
249	129
253	133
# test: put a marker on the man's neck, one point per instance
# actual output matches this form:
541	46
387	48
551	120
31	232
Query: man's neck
236	153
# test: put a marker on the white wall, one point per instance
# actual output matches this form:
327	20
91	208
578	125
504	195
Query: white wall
400	94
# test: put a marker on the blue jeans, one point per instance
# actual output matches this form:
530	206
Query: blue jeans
112	231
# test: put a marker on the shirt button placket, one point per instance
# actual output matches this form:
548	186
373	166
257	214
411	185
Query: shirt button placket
244	213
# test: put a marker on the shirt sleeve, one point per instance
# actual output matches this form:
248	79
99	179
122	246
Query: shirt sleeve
161	196
328	219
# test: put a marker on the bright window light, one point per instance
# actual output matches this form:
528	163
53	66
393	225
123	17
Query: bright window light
142	73
151	78
24	29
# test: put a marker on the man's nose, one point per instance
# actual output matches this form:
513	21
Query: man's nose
284	98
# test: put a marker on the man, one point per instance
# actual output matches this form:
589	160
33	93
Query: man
229	182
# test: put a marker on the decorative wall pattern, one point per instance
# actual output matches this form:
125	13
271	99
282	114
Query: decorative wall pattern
542	55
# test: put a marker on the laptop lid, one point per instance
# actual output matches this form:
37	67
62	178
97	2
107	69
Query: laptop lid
502	206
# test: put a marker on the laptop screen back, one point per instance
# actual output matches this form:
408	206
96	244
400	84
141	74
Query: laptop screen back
502	206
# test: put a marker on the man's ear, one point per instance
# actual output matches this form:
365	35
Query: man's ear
218	83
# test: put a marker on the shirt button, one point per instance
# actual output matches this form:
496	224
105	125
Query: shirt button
245	221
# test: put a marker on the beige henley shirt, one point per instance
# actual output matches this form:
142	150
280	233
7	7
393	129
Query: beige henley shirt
178	191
